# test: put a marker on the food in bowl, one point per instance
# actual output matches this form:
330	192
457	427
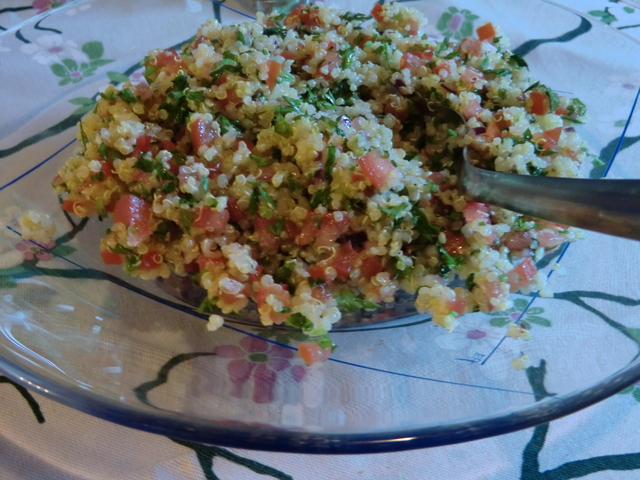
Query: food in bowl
296	161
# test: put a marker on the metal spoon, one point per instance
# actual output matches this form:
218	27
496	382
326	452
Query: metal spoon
605	206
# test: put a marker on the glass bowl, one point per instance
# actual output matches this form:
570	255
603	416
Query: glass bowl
122	349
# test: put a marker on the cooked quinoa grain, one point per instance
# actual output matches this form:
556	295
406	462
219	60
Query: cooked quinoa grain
294	162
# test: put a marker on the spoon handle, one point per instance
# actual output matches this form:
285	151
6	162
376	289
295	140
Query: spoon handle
606	206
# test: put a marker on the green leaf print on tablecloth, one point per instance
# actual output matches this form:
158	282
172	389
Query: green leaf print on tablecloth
531	316
71	71
456	23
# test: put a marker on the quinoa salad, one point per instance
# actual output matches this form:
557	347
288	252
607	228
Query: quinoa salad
295	162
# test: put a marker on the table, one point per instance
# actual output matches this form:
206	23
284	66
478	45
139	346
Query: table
40	439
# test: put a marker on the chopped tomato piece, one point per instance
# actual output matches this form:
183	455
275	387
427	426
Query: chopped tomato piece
493	131
371	266
317	272
396	108
310	229
254	277
516	241
413	26
441	69
331	61
376	12
471	46
310	18
491	290
170	61
459	305
210	263
168	145
476	212
344	260
486	32
331	228
294	16
150	261
522	274
110	258
471	109
107	169
201	134
548	139
311	352
455	244
211	220
274	73
232	98
143	143
132	210
267	173
377	169
561	111
548	239
287	55
415	60
235	212
471	76
268	240
199	40
538	103
280	294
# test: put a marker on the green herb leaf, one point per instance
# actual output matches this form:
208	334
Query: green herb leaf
321	197
267	197
277	227
395	211
253	201
282	127
517	61
186	219
355	17
425	228
298	320
532	86
84	137
348	55
262	162
127	96
349	301
330	163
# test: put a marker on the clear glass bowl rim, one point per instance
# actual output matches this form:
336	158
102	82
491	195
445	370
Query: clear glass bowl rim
261	437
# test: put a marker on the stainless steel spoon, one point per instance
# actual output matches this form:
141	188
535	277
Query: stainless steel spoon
606	206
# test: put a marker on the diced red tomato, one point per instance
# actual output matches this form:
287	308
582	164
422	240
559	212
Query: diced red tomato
170	61
309	230
549	238
376	12
371	266
287	55
331	229
268	240
538	103
377	169
476	212
459	305
210	263
561	111
291	229
415	60
493	131
317	272
331	60
209	219
471	76
321	292
150	261
267	173
274	73
413	26
491	290
254	277
281	293
516	241
132	210
344	260
441	69
107	169
142	145
214	168
310	18
455	244
522	274
232	98
365	39
311	352
548	139
202	134
486	32
471	109
294	16
471	46
110	258
235	212
168	145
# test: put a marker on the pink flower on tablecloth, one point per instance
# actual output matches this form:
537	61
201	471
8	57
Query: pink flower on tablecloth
30	250
44	5
257	360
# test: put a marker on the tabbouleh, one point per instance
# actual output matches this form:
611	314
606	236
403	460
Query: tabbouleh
293	161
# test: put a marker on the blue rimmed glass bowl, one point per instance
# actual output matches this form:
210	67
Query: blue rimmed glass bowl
122	349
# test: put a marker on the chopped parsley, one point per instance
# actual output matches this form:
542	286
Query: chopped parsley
349	301
282	127
225	66
277	227
261	161
330	163
395	211
186	218
424	227
321	197
298	320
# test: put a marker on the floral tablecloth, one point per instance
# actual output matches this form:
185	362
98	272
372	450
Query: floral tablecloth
40	439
